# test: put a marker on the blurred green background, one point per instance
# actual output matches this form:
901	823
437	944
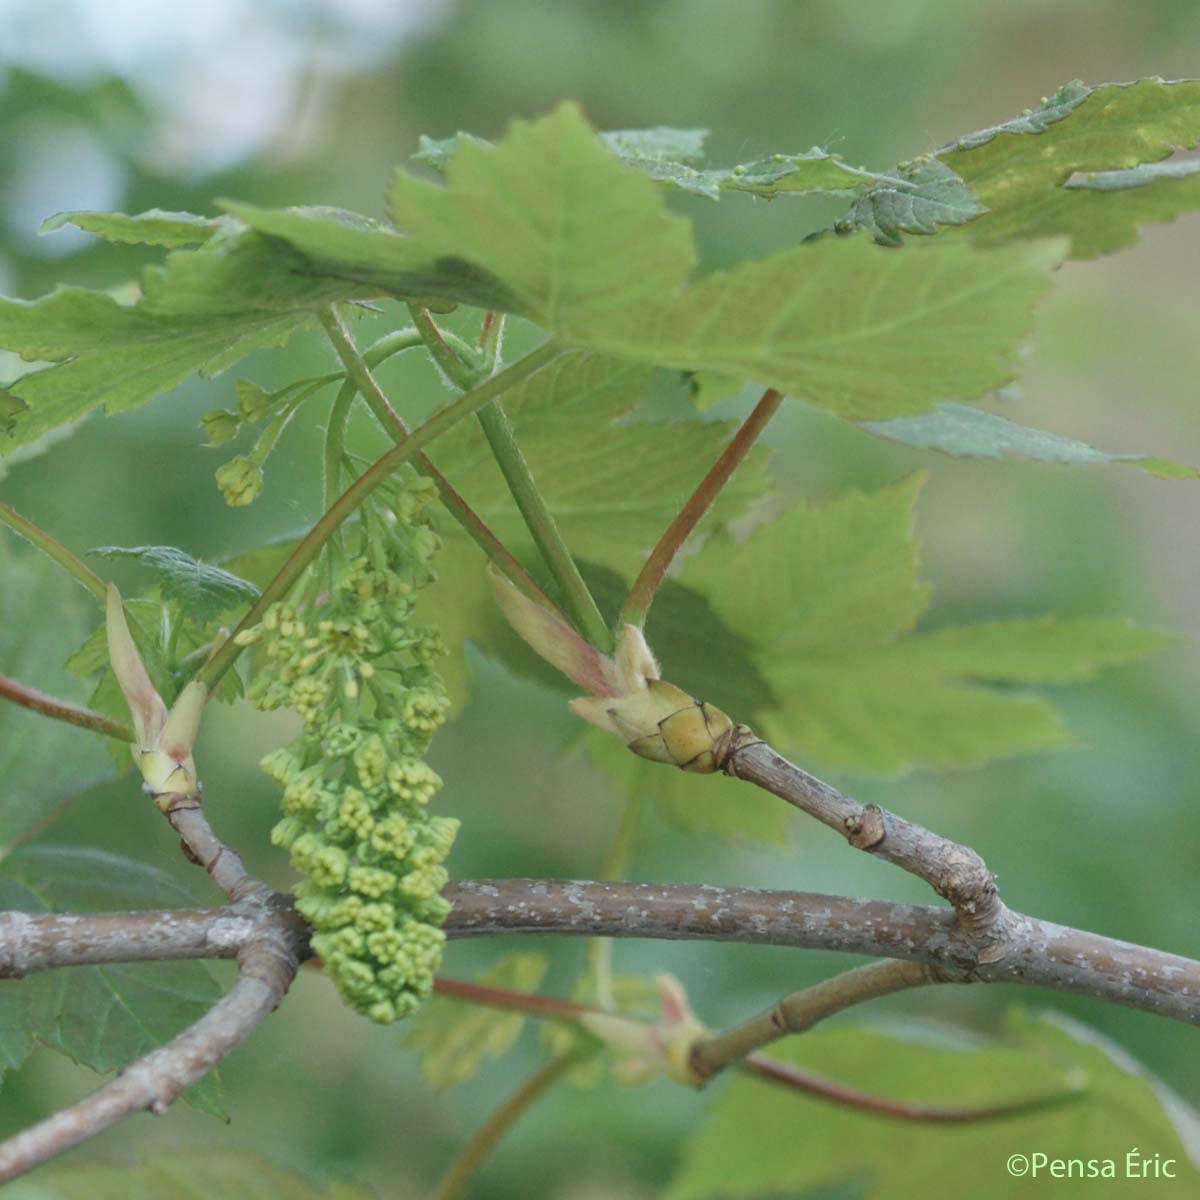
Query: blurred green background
127	105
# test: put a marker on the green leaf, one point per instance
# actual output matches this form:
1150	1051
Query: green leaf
116	356
1038	650
1106	208
661	142
438	152
760	1140
548	225
105	1017
671	157
1022	171
851	327
239	275
613	483
829	597
182	1174
152	228
963	432
44	763
815	171
202	311
934	195
454	1037
201	590
338	242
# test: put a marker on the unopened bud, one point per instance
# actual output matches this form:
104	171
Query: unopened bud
240	481
254	402
220	426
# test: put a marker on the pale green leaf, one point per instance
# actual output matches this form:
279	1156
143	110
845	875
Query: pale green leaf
661	142
815	171
181	1174
760	1140
437	152
852	327
1039	650
202	310
964	432
841	575
116	356
105	1017
924	195
454	1037
1022	171
1106	208
829	598
548	225
340	243
43	763
673	157
876	711
201	590
152	228
239	275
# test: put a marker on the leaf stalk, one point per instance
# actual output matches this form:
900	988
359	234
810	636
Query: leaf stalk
641	595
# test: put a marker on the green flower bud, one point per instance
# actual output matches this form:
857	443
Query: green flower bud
354	818
220	426
341	740
240	481
371	882
254	402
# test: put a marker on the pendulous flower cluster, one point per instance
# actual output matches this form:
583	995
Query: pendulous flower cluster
348	655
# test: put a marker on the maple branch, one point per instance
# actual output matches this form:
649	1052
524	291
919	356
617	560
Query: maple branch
268	938
202	846
802	1010
1040	953
1037	953
955	872
267	965
31	942
773	1070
